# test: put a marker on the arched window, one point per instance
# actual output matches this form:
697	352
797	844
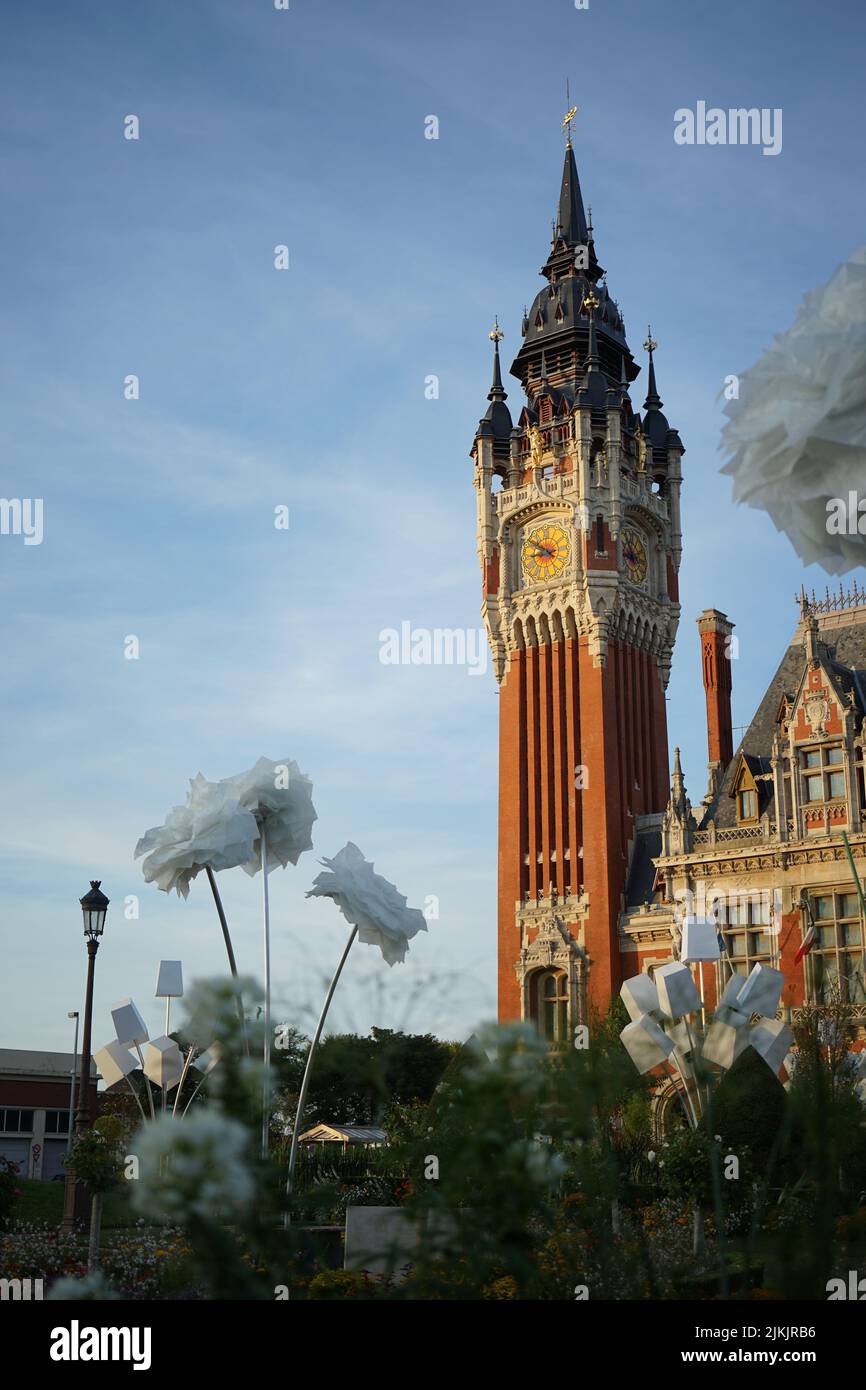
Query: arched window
551	1005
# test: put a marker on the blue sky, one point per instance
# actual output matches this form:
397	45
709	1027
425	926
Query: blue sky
306	388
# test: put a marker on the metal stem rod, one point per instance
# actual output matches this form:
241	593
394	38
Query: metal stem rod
302	1098
137	1098
266	1051
221	914
146	1081
186	1065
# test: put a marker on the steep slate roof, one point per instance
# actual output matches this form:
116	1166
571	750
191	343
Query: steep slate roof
847	663
642	870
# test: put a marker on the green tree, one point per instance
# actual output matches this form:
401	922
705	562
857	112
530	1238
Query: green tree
96	1158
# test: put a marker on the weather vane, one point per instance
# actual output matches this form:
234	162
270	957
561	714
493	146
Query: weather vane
590	302
570	113
496	334
650	345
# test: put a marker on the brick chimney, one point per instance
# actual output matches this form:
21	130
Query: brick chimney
715	630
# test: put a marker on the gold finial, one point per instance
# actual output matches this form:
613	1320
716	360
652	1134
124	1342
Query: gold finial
590	302
496	334
650	345
570	113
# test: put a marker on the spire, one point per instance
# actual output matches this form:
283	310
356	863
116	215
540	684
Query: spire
679	800
497	422
653	401
572	218
497	391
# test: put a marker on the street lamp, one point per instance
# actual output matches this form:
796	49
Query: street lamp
94	906
72	1014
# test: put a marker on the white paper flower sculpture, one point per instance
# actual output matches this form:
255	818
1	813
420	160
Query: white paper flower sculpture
253	821
797	433
281	795
212	830
370	903
378	916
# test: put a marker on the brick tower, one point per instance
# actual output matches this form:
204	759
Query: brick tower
579	543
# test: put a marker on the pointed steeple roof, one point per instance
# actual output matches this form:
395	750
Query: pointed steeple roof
653	400
497	391
497	419
655	425
571	222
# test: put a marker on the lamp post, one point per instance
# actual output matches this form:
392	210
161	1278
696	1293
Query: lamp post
72	1014
94	906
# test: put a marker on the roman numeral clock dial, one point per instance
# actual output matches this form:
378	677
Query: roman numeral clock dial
545	552
634	556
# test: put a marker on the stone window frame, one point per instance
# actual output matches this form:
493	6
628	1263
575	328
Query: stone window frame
840	923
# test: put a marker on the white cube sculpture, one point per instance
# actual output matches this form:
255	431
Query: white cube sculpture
114	1062
728	1009
771	1038
680	1036
163	1063
169	981
206	1061
678	993
700	940
645	1043
129	1025
640	996
723	1044
762	991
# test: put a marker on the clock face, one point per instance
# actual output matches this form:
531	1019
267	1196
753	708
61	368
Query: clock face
634	556
545	552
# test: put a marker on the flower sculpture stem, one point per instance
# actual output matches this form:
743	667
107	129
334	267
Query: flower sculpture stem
305	1083
266	1058
211	878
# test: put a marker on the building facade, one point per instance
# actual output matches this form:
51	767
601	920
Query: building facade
579	543
35	1090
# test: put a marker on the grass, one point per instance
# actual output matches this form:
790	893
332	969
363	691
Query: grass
43	1202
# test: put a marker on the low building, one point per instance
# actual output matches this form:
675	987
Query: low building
34	1109
366	1135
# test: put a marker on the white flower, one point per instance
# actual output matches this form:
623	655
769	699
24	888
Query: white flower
212	829
797	433
192	1167
280	794
369	902
93	1288
218	827
652	1156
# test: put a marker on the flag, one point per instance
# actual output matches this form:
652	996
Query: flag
806	944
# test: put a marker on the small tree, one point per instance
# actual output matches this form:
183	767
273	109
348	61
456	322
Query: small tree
97	1160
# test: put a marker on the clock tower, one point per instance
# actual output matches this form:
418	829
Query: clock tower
578	508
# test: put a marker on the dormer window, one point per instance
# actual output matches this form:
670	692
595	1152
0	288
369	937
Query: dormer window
745	794
823	774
